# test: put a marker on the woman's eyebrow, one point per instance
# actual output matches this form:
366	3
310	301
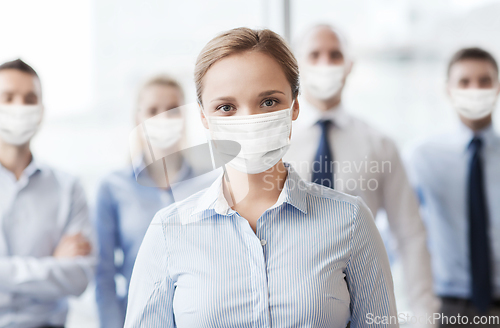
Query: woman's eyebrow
270	92
224	99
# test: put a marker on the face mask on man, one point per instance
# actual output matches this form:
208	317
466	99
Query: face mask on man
264	139
474	104
19	123
323	81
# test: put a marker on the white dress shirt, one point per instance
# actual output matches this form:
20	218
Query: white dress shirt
367	164
36	211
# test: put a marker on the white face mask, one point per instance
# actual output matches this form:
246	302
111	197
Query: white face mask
163	132
19	123
323	81
474	104
264	139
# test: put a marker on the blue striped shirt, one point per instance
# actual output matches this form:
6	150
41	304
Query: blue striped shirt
315	260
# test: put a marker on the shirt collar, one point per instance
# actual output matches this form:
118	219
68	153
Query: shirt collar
33	167
213	199
488	135
294	191
309	114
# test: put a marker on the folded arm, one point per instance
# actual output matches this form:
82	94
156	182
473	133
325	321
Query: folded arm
68	271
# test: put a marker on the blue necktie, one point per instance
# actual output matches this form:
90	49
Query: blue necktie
322	168
478	231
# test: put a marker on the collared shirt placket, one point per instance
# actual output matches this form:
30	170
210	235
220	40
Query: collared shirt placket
256	244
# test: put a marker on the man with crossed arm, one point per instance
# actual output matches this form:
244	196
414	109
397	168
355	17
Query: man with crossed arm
45	232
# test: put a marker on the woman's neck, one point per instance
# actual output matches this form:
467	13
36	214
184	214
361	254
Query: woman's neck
165	171
15	158
252	194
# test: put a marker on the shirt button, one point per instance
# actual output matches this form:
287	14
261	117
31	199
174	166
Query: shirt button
263	242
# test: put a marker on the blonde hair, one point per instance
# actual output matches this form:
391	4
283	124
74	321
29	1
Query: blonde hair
243	39
161	80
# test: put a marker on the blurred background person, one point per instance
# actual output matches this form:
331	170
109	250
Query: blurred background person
335	149
128	199
457	176
45	239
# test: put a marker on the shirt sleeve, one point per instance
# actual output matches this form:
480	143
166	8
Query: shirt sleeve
111	314
150	300
405	222
368	275
50	277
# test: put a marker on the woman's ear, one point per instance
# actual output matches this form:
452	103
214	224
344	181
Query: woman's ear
203	118
295	109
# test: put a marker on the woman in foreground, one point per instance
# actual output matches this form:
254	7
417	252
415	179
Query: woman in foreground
260	247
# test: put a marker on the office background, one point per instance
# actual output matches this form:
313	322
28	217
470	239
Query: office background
92	55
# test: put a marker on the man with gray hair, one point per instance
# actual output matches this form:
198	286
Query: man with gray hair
335	149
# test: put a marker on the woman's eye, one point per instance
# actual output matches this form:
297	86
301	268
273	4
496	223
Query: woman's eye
225	108
269	102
